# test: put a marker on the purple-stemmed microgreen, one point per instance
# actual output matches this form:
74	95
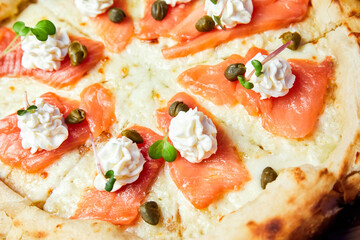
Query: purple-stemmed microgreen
41	31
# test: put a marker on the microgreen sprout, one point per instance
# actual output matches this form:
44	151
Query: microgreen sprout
110	184
214	1
217	19
257	66
270	56
162	148
30	109
246	84
41	31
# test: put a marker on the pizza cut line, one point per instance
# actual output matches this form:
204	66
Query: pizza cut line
308	136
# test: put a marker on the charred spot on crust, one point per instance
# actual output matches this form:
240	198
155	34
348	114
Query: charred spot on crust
267	230
323	172
299	174
354	13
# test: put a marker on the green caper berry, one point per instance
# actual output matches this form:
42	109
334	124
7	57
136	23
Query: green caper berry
234	70
268	175
150	212
205	24
133	135
75	116
295	37
116	15
176	107
159	10
77	53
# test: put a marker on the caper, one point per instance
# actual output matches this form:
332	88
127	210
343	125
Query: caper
75	116
205	24
159	10
116	15
77	53
150	212
295	37
234	70
176	107
268	175
133	135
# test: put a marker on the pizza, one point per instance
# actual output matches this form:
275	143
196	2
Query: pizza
214	152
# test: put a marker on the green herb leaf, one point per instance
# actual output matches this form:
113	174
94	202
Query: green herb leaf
162	148
258	67
244	83
18	26
169	153
47	26
21	112
109	174
156	149
217	20
214	1
32	107
110	184
40	34
24	31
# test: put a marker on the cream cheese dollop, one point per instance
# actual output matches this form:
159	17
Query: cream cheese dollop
46	55
194	135
276	80
174	2
122	156
233	13
43	129
92	8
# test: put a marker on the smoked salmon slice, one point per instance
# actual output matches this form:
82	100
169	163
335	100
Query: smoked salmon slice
202	183
267	15
99	105
67	75
151	29
116	36
292	116
122	206
12	153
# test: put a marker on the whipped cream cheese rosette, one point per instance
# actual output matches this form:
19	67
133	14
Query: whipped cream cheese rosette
276	79
194	135
43	129
46	55
92	8
122	156
232	12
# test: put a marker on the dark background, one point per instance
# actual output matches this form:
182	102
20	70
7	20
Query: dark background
346	225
